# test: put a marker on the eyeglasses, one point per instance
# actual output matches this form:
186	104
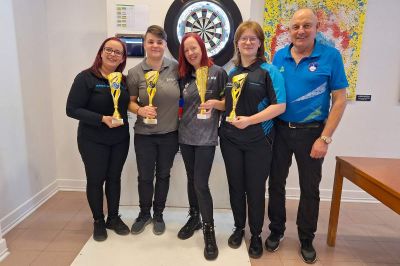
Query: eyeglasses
109	50
251	39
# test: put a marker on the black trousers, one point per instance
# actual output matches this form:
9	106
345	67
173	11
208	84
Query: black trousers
198	162
154	156
297	141
103	164
247	168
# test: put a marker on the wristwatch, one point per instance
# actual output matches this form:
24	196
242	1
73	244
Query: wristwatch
326	139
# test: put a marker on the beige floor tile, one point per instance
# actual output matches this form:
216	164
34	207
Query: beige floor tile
33	240
81	221
266	261
393	248
298	262
380	264
51	221
13	234
20	258
54	258
370	251
72	241
342	263
362	216
289	249
340	252
351	231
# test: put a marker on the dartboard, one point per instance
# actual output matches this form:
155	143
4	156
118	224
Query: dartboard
215	22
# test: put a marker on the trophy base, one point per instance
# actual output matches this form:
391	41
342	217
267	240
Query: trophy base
117	121
203	116
230	119
150	121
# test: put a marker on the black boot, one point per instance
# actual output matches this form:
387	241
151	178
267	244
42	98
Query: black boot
99	230
210	245
192	224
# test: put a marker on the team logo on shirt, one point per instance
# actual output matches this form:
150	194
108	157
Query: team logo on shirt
282	69
313	66
185	88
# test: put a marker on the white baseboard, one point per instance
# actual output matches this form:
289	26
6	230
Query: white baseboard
3	249
326	195
26	208
71	184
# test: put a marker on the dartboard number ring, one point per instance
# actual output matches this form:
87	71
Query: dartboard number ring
214	21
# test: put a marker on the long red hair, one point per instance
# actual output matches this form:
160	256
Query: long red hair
95	68
184	67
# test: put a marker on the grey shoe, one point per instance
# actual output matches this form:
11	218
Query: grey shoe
273	241
140	223
307	251
158	224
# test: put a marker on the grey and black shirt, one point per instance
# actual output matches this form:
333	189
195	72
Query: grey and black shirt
201	132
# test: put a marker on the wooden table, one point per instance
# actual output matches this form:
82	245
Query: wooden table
379	177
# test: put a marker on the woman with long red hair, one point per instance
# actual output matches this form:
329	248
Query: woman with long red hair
103	144
199	137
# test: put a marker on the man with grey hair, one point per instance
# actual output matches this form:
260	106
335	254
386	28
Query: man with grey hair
314	74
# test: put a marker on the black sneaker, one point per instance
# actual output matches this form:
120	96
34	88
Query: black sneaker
99	230
273	241
255	248
307	251
235	240
158	224
117	225
140	223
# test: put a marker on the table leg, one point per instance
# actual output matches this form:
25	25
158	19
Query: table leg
335	206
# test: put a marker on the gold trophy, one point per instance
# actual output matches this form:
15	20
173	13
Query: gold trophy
201	82
115	86
237	85
151	78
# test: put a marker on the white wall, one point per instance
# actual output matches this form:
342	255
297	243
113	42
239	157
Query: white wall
27	149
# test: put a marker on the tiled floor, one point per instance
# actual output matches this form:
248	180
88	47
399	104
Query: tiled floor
368	234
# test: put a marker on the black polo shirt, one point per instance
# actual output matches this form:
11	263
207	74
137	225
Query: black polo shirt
257	94
88	100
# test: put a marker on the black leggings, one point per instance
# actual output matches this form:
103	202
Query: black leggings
247	168
103	163
198	162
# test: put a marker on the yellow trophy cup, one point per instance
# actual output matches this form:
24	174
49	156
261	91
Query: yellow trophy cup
201	82
237	85
115	86
151	78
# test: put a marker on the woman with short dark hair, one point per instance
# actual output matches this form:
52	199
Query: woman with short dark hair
154	90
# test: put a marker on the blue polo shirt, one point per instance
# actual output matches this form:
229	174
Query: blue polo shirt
309	84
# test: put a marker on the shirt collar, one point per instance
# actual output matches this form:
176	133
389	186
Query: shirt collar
253	66
166	63
315	53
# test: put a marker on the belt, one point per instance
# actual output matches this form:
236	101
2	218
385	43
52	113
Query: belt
314	124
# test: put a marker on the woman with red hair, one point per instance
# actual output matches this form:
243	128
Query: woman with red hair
199	137
103	144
